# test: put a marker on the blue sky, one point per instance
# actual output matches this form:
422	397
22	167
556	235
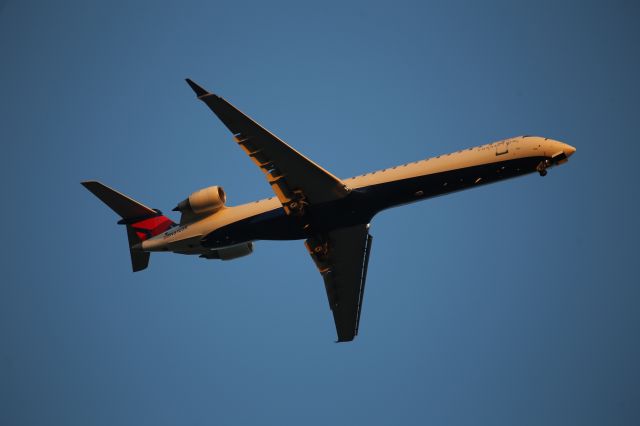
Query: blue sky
514	303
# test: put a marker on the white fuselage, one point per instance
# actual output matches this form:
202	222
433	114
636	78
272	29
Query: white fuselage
187	238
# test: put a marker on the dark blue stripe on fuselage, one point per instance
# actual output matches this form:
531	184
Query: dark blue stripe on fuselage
363	203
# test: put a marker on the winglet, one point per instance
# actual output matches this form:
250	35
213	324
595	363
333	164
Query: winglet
199	90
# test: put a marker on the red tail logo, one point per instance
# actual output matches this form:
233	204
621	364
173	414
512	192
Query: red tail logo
147	228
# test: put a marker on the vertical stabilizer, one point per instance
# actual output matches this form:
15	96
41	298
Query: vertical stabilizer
141	221
139	258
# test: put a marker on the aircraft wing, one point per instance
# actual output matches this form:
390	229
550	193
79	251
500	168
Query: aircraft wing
296	180
342	257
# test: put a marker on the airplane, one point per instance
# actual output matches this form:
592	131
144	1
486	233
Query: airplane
332	215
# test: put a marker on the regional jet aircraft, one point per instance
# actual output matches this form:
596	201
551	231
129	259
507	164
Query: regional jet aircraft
332	215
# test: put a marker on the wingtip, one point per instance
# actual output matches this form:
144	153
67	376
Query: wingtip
199	91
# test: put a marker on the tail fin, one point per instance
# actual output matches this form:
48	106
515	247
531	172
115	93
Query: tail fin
139	258
141	221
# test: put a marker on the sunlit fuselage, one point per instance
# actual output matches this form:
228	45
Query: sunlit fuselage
370	194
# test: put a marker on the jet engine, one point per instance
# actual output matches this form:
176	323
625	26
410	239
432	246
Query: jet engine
205	201
234	252
231	252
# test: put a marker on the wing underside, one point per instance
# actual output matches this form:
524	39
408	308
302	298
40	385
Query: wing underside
296	180
342	257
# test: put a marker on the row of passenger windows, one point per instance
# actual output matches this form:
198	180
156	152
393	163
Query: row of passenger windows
422	161
414	162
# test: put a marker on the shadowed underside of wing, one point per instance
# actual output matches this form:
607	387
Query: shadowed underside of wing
342	258
296	180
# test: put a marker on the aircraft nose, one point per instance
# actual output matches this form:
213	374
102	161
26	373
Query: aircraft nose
568	150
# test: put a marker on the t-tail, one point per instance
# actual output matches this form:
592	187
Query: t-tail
141	221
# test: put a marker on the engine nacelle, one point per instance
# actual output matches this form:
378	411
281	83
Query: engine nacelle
207	200
234	252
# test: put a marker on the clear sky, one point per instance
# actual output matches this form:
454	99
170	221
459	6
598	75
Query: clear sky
511	304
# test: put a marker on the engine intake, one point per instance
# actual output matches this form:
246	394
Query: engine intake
207	200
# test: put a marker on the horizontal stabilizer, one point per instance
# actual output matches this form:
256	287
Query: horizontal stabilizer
124	206
142	222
